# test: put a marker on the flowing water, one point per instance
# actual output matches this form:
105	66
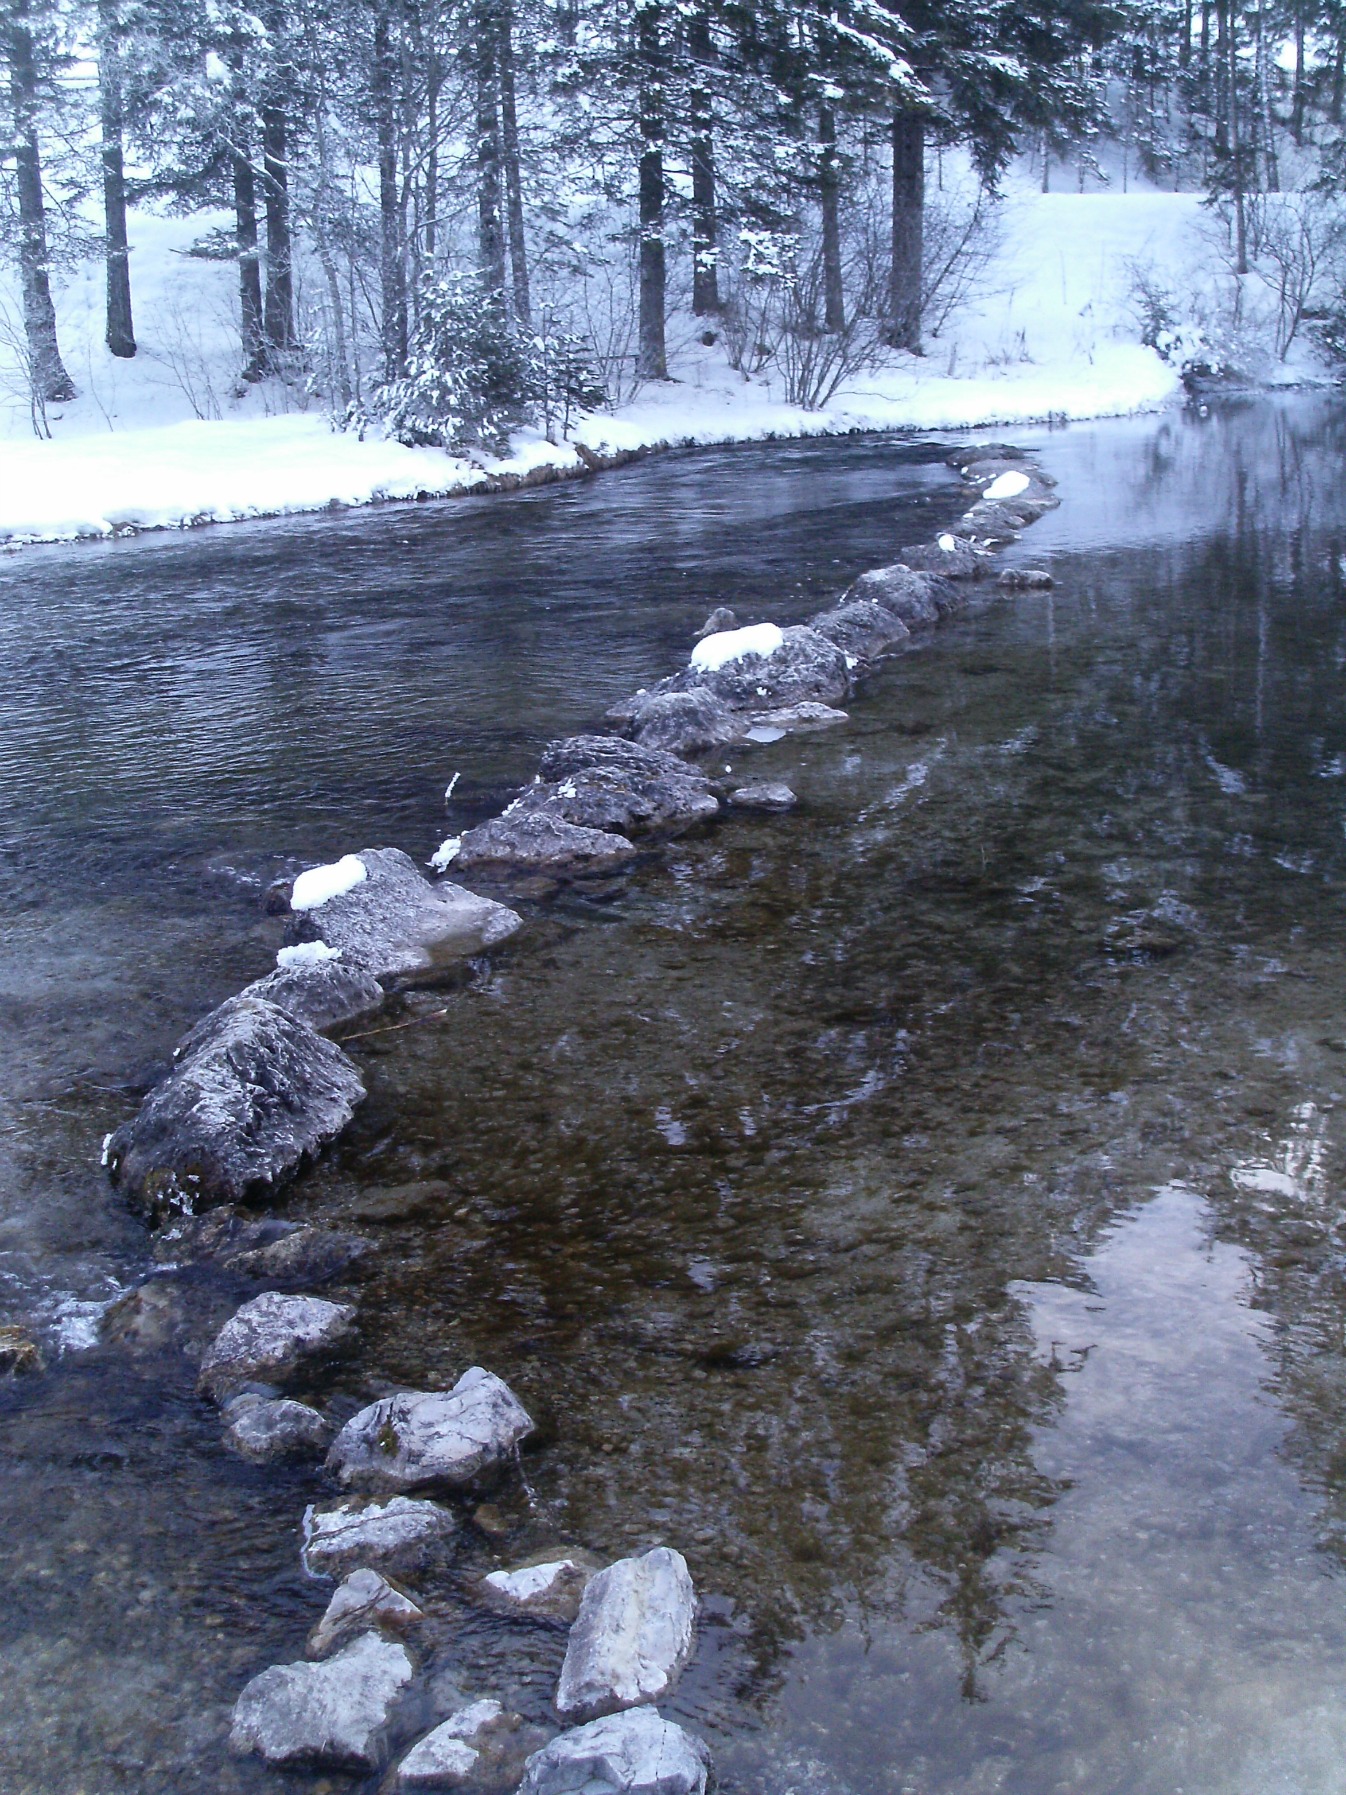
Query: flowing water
925	1210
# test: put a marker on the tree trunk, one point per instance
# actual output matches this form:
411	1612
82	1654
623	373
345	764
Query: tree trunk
51	385
392	267
431	226
490	222
1297	112
705	221
509	149
904	293
1236	154
834	298
652	356
1339	75
278	309
121	336
249	270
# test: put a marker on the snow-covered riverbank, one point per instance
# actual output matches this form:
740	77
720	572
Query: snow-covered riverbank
1052	335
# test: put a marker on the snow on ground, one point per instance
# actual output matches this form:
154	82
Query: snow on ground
163	441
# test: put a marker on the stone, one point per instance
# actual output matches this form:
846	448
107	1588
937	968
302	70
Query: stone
908	595
322	994
395	924
423	1437
987	467
992	522
335	1715
252	1095
636	1753
262	1429
805	667
632	1637
1025	579
720	619
548	1587
960	562
302	1255
683	722
19	1352
481	1748
767	795
398	1537
363	1602
770	726
603	782
538	842
270	1337
967	454
861	628
156	1316
217	1234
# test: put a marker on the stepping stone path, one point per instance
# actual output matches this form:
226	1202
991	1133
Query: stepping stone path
632	1637
636	1753
334	1715
481	1748
400	1537
362	1602
549	1588
270	1338
423	1437
260	1429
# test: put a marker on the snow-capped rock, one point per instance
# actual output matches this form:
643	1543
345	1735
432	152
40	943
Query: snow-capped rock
253	1093
396	924
804	665
632	1637
332	1715
270	1337
636	1753
423	1437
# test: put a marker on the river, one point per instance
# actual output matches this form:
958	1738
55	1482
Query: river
923	1209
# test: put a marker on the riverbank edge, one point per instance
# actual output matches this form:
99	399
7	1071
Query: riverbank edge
470	480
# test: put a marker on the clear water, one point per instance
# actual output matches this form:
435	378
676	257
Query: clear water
924	1209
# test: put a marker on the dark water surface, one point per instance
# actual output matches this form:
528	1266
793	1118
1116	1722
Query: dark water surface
924	1210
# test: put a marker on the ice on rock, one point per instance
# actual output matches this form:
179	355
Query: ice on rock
306	953
1007	485
713	652
320	883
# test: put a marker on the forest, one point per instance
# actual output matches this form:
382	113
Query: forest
449	215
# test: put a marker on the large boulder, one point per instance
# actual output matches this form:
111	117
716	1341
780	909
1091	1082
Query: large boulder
269	1338
335	1715
398	1537
602	782
908	595
262	1429
253	1094
321	992
683	722
750	670
363	1602
395	924
422	1437
632	1637
967	454
481	1749
862	628
536	841
637	1753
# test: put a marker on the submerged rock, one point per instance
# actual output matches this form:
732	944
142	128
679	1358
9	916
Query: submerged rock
253	1094
804	666
862	628
262	1429
301	1255
162	1313
538	842
770	726
632	1637
683	722
271	1337
602	782
19	1353
361	1603
335	1715
549	1587
399	1537
395	924
637	1753
1025	579
422	1437
908	595
481	1748
321	993
767	795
